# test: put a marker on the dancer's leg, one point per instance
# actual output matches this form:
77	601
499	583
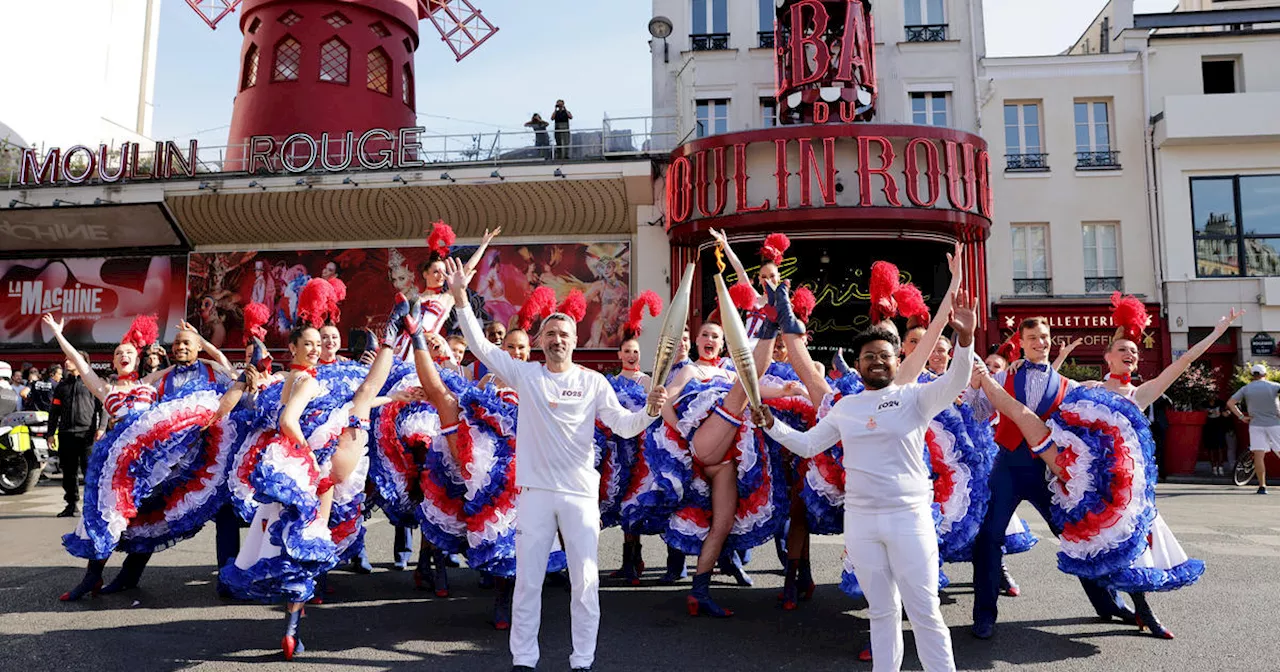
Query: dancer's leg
723	479
815	383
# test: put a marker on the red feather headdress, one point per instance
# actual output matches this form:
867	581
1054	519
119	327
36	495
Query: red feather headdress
441	238
541	302
1130	317
314	302
774	246
802	303
911	303
255	319
574	305
647	300
143	332
744	296
339	295
1011	349
883	286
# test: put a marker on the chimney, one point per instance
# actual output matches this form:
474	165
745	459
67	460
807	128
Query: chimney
1121	16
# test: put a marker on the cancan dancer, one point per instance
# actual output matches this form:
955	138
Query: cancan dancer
559	486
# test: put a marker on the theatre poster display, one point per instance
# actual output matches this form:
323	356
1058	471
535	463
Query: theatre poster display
98	297
221	284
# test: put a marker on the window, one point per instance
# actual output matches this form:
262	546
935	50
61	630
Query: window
249	75
1101	258
1031	259
925	20
408	45
336	20
1093	136
288	60
408	87
764	38
768	112
378	29
1022	147
1236	225
930	109
1219	75
713	117
710	25
254	25
334	59
290	18
378	75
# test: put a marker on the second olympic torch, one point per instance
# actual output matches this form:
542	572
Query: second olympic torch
673	325
735	337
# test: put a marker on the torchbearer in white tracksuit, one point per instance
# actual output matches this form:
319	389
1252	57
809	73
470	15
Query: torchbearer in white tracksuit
888	520
559	485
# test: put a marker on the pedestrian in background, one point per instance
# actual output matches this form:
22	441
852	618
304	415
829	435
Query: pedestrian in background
41	396
1215	437
9	401
561	117
1259	397
76	415
540	138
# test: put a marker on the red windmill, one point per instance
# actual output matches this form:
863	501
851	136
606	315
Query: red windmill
317	66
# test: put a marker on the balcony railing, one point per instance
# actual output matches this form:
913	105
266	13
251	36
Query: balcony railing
764	39
1026	163
1033	286
1098	160
709	41
1103	285
931	33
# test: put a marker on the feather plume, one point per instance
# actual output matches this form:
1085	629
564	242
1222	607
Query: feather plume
744	295
802	303
1130	316
143	332
314	302
647	300
775	245
338	296
1011	349
883	286
539	304
441	238
574	305
911	303
255	320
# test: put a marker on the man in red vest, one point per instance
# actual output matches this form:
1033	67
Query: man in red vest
1020	475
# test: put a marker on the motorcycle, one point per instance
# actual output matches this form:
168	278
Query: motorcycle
24	450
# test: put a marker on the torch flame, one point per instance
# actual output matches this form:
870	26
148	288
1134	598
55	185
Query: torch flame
720	258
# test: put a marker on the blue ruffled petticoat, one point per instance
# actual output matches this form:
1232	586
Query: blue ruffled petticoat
616	456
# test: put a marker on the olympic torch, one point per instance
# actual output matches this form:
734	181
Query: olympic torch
735	337
673	324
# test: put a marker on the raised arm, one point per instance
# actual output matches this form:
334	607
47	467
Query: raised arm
936	396
914	364
474	261
736	263
1149	391
493	357
624	423
96	385
805	444
1064	352
218	360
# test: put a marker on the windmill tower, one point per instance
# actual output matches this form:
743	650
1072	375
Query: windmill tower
316	66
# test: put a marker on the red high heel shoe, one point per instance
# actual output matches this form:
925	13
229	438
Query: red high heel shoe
79	591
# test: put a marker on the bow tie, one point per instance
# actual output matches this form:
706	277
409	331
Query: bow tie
1122	378
186	368
1035	367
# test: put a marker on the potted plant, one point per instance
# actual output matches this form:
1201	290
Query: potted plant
1191	394
1081	373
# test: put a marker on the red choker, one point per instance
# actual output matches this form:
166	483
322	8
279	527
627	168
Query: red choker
709	362
630	368
126	377
1123	378
303	367
326	362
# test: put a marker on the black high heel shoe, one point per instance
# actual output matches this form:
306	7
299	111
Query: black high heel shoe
130	574
1147	619
91	583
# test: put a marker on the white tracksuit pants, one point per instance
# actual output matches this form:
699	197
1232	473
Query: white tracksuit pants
895	557
539	513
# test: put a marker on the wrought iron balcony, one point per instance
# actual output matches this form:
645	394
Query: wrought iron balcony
764	39
931	33
1103	285
709	41
1098	160
1033	286
1026	163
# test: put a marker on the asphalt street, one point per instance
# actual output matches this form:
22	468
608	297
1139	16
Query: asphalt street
378	622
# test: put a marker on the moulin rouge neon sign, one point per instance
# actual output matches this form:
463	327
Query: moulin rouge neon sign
825	61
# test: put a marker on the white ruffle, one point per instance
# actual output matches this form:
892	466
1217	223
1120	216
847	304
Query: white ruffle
697	411
1164	551
958	506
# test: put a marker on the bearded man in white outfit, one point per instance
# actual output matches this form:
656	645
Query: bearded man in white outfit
555	469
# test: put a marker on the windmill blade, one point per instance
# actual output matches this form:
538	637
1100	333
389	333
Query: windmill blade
460	24
213	11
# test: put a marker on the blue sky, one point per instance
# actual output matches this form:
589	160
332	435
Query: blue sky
592	53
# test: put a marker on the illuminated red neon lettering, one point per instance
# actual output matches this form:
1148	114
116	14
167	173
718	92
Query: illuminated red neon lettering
702	185
932	172
809	166
800	43
865	171
740	181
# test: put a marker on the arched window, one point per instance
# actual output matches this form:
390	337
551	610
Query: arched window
335	58
249	75
288	60
379	72
408	86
